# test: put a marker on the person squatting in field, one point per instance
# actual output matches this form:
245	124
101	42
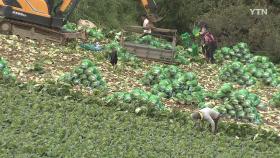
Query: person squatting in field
209	43
209	115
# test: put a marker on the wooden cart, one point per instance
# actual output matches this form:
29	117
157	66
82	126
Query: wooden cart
146	51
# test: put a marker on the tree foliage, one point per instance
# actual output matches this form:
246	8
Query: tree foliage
230	21
110	13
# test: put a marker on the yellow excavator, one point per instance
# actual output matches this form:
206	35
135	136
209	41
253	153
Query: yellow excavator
151	7
39	19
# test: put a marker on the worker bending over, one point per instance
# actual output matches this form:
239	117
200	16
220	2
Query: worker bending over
209	115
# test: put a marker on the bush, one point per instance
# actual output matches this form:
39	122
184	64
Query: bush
108	13
262	33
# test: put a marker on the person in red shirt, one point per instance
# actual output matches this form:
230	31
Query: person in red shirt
209	43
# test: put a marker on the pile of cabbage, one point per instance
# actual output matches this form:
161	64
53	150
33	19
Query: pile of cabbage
264	70
5	72
86	74
70	27
93	33
258	68
224	91
235	72
255	67
239	104
137	95
275	101
240	52
154	42
184	56
172	82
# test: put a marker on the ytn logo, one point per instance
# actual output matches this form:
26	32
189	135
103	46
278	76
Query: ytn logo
258	11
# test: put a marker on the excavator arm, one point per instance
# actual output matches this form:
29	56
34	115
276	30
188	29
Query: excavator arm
65	4
150	7
65	8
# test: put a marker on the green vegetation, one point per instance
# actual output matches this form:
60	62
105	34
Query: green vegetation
70	27
5	72
42	125
261	32
245	68
235	72
173	82
154	42
275	101
264	70
58	119
86	74
110	13
240	52
183	56
123	54
137	97
239	104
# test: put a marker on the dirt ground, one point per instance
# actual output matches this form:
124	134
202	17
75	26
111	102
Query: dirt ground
25	55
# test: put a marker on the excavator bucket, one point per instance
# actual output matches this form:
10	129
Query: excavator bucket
151	9
154	18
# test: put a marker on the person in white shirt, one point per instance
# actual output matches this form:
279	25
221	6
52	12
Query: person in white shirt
147	26
209	115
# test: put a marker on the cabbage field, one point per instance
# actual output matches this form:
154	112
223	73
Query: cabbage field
68	101
41	124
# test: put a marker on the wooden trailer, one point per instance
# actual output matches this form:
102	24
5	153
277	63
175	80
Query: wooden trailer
146	51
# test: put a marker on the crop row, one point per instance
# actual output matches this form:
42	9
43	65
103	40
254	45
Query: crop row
36	125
